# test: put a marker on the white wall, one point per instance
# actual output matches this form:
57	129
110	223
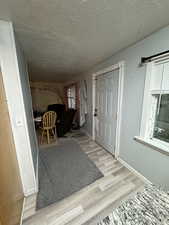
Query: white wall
27	100
17	90
45	93
149	162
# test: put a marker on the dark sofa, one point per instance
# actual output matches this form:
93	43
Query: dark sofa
64	118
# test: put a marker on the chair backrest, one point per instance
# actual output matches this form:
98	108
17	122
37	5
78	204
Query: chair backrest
49	119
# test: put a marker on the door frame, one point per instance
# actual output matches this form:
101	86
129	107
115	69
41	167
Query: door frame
119	66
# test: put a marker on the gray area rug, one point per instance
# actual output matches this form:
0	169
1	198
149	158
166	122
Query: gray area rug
150	207
63	170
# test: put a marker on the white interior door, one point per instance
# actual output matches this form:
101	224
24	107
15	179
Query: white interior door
106	109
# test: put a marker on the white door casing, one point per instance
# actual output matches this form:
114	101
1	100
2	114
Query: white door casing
107	104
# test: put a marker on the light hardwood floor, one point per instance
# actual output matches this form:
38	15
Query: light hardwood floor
93	202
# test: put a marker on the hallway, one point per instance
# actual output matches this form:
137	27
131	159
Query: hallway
98	66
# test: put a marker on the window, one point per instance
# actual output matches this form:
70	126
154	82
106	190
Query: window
155	116
161	124
71	97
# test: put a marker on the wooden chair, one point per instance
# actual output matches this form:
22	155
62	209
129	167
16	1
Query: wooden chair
49	125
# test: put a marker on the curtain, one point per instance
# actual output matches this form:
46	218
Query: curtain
83	101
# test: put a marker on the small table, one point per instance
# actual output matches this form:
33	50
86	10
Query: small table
38	121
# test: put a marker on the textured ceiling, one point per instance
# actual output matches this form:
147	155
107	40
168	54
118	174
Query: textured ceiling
64	38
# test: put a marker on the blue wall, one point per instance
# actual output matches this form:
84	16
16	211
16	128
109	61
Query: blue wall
152	164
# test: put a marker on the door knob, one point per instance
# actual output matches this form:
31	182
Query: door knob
95	112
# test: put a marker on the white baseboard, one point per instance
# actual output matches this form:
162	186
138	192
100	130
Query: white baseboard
31	192
138	174
22	213
29	207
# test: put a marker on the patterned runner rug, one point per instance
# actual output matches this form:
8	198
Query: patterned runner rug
150	207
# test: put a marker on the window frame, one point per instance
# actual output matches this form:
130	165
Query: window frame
71	97
144	136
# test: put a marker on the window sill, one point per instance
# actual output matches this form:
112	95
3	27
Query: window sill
157	145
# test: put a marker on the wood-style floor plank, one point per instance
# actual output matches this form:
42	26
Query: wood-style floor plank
117	184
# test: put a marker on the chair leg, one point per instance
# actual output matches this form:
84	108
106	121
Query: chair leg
53	133
48	137
42	137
